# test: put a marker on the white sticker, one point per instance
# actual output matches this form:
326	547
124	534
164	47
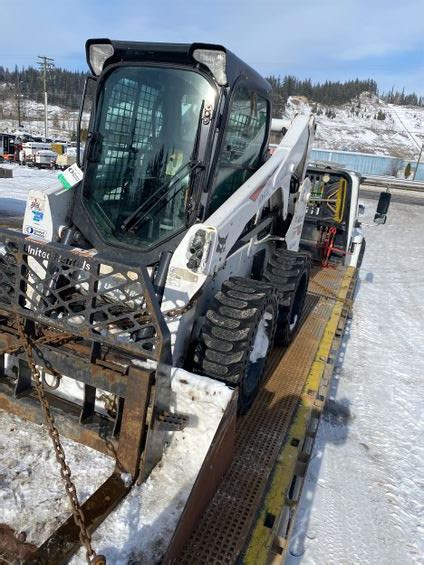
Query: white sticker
71	176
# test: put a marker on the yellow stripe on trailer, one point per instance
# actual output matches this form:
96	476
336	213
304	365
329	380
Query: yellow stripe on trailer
271	534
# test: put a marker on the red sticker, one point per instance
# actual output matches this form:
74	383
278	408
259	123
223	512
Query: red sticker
255	195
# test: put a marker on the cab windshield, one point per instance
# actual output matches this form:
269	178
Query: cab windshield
139	169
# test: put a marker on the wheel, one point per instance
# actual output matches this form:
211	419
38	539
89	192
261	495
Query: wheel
237	336
288	272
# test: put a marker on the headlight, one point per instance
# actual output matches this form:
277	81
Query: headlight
97	55
216	61
199	250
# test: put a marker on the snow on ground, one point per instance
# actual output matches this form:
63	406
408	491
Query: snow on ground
408	119
354	126
61	121
14	191
31	491
32	496
363	500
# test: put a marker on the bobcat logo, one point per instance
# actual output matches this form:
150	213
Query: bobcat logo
222	243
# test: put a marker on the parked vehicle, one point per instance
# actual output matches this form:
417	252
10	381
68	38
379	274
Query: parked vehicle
31	148
45	159
7	147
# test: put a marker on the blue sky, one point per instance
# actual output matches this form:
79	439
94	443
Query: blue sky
320	39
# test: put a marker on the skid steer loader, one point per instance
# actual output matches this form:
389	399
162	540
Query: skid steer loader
174	244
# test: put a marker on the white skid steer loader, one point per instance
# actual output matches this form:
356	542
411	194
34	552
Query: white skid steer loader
174	245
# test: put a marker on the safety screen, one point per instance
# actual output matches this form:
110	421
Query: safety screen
133	119
242	145
145	131
81	294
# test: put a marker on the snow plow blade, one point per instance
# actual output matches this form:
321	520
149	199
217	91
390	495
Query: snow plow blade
98	322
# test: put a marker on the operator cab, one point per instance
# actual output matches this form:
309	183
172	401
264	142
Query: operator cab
175	131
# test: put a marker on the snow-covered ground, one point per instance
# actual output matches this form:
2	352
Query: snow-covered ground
363	500
14	191
355	127
61	121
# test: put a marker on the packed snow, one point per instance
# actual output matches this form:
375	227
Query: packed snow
32	498
363	500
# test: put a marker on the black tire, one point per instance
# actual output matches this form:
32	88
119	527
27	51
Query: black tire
288	272
228	349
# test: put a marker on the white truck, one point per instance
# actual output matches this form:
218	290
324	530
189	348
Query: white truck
29	152
44	159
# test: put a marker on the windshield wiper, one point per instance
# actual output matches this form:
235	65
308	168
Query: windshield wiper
142	211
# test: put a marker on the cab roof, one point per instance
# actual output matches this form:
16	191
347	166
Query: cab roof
179	53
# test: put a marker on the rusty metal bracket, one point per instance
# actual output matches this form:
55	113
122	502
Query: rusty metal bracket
173	422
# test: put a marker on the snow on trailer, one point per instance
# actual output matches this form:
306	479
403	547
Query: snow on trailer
32	499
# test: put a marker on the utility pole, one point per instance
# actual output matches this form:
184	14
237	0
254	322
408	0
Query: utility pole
18	97
46	64
418	162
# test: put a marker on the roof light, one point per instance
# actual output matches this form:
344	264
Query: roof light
97	55
215	60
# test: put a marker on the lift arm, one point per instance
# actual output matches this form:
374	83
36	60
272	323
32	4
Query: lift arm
206	246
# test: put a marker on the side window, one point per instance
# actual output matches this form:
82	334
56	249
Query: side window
242	143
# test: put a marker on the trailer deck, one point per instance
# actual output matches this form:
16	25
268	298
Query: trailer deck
250	517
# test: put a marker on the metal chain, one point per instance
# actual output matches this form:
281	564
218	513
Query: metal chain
65	471
330	294
48	338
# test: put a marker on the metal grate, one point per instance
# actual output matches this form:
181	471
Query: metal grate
133	118
224	529
86	295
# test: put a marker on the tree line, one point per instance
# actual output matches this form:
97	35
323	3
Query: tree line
65	89
402	99
332	93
